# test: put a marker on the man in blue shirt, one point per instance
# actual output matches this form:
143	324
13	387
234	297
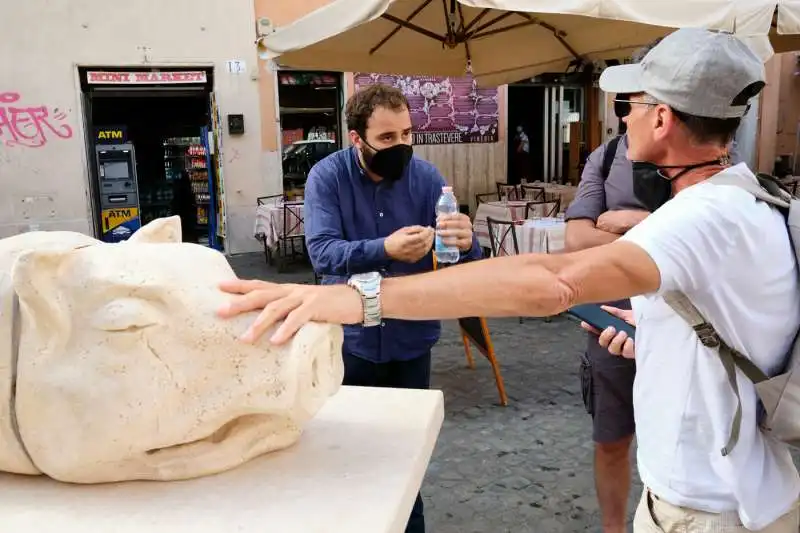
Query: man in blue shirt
372	207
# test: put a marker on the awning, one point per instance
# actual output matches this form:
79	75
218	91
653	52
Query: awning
498	41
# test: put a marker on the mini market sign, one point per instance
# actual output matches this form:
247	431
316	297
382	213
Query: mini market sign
145	78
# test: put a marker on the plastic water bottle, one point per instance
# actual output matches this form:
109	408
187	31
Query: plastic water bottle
447	205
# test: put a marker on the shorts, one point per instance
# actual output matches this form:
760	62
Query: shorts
607	390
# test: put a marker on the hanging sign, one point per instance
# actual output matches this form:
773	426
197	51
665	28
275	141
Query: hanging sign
444	110
145	78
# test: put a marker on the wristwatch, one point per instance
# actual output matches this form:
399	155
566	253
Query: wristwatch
368	286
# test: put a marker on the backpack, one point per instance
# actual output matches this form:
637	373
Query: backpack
779	395
609	155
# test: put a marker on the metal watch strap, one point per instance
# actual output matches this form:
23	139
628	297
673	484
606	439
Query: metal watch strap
370	291
372	310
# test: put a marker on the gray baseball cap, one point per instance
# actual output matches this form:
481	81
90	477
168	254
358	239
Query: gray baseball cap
696	71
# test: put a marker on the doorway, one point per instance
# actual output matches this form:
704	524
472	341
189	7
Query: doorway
550	116
165	131
310	121
525	133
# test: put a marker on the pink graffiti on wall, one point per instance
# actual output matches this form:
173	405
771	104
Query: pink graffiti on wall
30	127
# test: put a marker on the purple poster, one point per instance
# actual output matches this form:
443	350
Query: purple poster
444	110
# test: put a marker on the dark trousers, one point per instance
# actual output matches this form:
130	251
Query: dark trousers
413	374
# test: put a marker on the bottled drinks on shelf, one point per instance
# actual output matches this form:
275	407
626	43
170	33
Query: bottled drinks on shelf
197	150
447	205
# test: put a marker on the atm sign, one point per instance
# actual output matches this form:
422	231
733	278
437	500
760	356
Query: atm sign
111	135
116	217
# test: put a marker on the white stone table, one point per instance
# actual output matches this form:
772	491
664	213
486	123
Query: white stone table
357	468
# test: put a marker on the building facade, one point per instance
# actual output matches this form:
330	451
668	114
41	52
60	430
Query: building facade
114	114
472	168
148	75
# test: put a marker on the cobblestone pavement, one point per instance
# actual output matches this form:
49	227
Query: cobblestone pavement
522	468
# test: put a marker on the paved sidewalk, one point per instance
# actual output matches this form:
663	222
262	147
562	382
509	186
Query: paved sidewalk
522	468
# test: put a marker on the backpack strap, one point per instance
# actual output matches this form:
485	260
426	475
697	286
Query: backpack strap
729	357
609	155
764	190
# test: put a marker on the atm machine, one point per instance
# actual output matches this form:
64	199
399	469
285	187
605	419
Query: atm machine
119	192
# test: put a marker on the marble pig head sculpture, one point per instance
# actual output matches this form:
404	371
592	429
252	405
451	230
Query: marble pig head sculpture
119	368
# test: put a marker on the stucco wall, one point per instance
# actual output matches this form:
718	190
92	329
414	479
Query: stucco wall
44	43
280	13
768	116
788	104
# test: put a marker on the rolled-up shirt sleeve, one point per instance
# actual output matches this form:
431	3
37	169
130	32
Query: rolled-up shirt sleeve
590	199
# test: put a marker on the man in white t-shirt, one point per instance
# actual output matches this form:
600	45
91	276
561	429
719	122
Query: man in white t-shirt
732	257
728	253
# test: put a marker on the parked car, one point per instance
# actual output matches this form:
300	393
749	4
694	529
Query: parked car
300	156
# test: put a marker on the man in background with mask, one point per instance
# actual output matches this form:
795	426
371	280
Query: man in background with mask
522	157
372	208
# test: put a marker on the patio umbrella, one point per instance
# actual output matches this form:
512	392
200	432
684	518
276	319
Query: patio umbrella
497	41
785	32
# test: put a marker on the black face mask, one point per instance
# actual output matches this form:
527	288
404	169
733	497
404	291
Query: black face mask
652	187
389	163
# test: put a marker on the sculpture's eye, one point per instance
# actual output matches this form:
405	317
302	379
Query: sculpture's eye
127	314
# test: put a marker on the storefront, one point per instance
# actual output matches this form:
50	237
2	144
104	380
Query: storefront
153	151
310	111
124	117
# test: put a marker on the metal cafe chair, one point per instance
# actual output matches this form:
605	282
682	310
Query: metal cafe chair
273	200
507	191
547	208
292	240
532	193
486	197
502	237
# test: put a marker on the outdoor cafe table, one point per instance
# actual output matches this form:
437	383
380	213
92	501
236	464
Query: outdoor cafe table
504	210
513	210
541	235
269	223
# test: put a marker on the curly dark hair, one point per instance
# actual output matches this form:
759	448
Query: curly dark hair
363	103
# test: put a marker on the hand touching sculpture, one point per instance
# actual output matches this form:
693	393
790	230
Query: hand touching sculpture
123	370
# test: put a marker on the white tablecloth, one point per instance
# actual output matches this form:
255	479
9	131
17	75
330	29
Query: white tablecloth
513	210
270	222
537	235
541	235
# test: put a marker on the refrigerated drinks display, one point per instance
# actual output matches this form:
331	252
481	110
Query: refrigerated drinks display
184	189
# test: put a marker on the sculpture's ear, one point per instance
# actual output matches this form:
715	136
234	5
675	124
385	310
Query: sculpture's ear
35	278
161	230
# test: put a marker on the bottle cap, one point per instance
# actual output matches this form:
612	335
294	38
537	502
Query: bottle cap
447	189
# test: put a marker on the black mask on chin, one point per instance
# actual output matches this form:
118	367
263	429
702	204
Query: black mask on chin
652	187
389	163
